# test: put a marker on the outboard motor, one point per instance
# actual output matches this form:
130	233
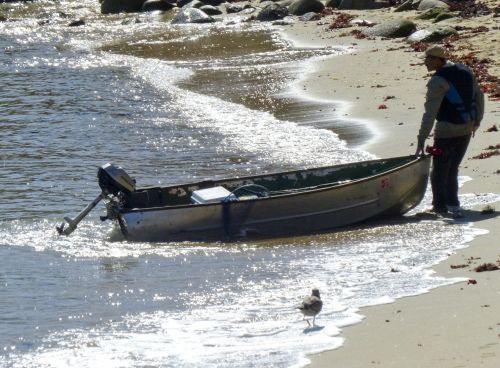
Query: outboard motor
112	180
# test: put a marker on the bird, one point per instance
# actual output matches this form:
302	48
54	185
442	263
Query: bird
311	306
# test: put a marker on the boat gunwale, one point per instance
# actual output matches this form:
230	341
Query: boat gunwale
284	195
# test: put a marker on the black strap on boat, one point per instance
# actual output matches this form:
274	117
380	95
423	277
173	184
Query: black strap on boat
226	216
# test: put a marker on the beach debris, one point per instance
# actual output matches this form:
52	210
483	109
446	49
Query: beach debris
363	22
479	29
486	267
454	267
326	11
311	306
419	46
342	20
484	155
382	107
488	210
493	151
468	8
493	147
358	34
489	83
494	128
389	98
396	48
471	282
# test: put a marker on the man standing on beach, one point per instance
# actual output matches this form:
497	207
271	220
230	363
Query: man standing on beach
456	102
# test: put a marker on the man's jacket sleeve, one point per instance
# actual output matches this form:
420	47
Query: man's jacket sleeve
436	90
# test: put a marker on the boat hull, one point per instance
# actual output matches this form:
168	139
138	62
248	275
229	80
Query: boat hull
387	194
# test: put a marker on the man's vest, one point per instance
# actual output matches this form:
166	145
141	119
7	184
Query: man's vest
459	104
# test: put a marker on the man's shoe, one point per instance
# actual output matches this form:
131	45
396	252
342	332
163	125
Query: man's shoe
456	211
440	211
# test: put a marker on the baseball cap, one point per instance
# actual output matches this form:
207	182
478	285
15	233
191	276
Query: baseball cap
435	51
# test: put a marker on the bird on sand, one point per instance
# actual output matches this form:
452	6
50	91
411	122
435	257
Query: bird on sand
311	306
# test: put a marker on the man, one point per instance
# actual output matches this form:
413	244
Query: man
456	102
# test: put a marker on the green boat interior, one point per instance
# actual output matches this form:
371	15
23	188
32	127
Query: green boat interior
266	185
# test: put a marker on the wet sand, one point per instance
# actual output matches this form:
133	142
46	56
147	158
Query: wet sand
258	80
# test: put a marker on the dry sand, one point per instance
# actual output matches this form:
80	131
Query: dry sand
453	326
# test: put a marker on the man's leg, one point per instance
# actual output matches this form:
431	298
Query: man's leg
457	153
440	174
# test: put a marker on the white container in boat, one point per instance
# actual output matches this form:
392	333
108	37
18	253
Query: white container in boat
211	195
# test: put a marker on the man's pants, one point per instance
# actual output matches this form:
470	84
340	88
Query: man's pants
444	176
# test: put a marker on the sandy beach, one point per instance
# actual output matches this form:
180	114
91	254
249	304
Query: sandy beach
383	84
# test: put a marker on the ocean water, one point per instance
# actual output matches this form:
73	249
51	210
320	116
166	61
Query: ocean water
174	104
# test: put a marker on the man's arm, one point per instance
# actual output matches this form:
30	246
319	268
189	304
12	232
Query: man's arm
436	90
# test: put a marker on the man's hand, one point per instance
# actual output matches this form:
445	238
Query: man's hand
474	128
420	150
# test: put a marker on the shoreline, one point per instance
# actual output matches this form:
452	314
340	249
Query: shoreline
454	325
360	96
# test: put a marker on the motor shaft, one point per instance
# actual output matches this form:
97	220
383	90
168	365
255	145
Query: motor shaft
73	223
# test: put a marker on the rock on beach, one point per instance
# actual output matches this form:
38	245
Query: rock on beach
392	29
301	7
272	12
192	15
154	5
121	6
434	34
429	4
363	4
